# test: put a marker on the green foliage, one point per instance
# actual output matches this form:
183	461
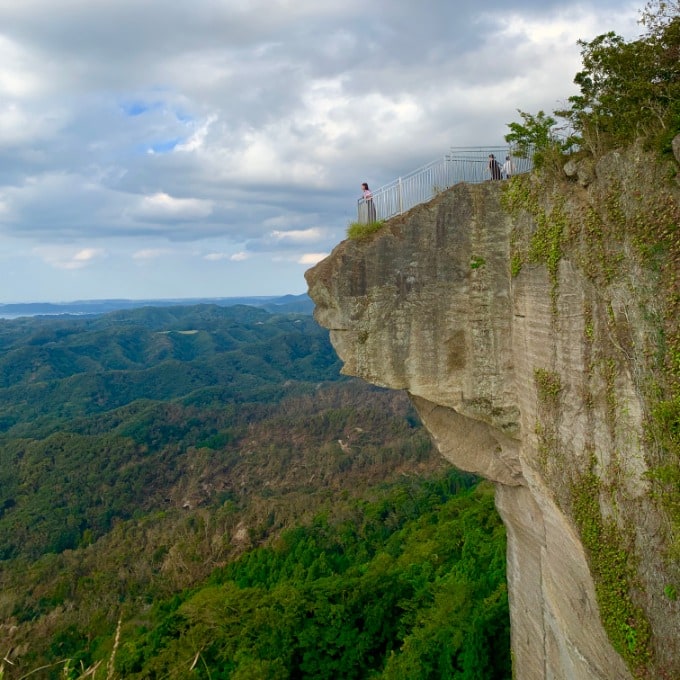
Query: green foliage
548	386
476	262
665	427
546	243
515	264
231	354
360	230
614	574
411	586
88	443
109	505
628	90
537	137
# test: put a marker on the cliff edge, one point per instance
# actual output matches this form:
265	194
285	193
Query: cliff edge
529	323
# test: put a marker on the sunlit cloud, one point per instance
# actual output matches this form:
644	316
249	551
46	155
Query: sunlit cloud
162	206
64	258
87	254
197	139
18	77
311	258
298	235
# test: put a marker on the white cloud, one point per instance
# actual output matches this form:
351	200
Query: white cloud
65	258
87	254
197	139
298	235
310	259
263	118
21	126
161	206
19	77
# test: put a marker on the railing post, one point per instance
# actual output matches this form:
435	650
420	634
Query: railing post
401	202
362	211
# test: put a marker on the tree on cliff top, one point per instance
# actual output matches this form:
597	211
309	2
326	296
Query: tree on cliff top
628	91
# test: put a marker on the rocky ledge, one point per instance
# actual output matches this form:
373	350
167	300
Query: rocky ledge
528	368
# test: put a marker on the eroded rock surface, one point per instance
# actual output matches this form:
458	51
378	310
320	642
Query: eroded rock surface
506	374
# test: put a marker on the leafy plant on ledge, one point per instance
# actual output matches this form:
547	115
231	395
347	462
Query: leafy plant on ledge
359	230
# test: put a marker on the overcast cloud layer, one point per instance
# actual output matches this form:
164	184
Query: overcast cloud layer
155	149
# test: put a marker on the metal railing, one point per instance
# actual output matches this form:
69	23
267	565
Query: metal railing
462	164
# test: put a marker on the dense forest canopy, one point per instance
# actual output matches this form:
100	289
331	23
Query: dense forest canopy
160	467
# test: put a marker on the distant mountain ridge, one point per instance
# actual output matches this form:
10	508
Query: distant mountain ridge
152	352
301	304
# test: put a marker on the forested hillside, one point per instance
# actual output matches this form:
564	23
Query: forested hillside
157	463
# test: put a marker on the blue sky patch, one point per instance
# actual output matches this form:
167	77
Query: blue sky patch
137	108
165	146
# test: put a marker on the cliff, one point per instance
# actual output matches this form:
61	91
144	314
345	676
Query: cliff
532	323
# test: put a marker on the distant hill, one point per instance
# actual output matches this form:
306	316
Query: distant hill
301	304
78	366
145	451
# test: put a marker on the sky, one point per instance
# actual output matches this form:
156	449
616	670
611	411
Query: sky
215	148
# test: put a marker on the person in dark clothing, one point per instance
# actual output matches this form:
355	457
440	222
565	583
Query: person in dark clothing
495	168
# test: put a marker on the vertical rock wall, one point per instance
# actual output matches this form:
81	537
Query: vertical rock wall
508	377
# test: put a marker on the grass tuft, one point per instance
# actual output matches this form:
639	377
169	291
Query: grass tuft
359	230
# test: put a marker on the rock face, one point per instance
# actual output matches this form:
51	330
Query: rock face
508	373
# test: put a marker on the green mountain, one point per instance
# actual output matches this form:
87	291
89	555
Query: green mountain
153	456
